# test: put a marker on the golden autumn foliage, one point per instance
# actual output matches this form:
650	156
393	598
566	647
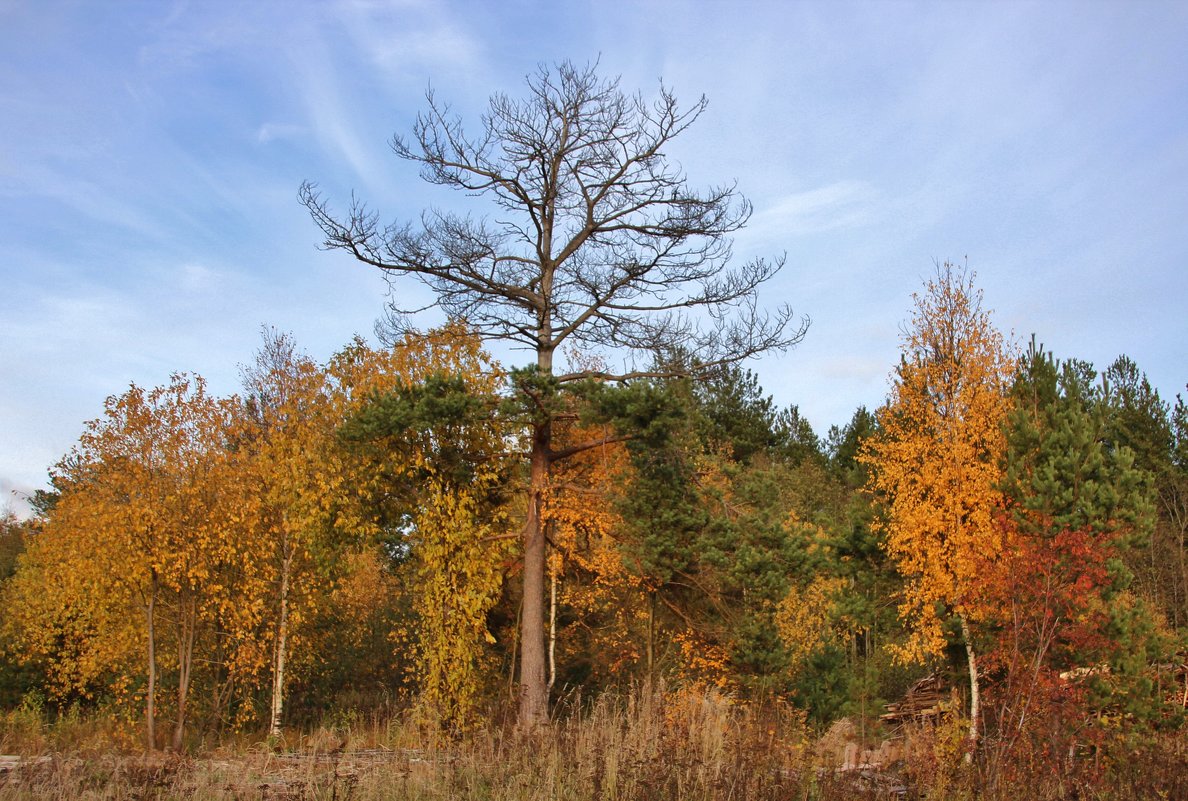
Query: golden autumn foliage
601	596
460	554
936	460
285	434
353	484
936	463
51	614
136	555
808	617
195	537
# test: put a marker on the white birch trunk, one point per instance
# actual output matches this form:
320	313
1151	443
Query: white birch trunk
282	636
552	633
975	701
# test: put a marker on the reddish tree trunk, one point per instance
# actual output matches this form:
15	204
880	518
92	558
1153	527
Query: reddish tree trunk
534	701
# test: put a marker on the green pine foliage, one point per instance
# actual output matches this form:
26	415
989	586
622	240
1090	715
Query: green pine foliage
1062	470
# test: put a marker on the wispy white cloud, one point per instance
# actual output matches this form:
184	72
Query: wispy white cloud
397	36
325	99
196	278
82	195
860	368
182	36
272	131
841	205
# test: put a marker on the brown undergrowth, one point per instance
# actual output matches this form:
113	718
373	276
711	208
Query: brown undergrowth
686	746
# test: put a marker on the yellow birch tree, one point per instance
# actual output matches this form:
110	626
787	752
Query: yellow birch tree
289	428
936	463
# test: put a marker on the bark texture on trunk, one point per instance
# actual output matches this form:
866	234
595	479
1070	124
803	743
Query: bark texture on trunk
185	663
975	701
534	700
278	662
534	690
552	632
150	713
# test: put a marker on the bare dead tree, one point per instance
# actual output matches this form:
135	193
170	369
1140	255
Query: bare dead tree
597	239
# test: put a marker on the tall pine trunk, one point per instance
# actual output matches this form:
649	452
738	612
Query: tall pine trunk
534	691
534	700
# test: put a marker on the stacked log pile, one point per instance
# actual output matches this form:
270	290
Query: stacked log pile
1179	674
921	702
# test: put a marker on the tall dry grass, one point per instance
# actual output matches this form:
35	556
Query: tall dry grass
680	745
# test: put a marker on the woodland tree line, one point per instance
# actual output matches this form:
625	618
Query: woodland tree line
417	528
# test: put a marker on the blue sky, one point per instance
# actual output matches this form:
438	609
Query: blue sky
150	155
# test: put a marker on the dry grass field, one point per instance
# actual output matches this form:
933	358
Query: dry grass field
681	746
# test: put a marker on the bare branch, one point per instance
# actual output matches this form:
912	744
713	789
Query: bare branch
599	237
573	450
